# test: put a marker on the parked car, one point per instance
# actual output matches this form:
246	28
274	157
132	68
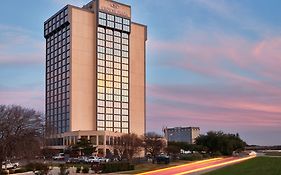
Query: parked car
72	160
93	159
83	159
10	165
163	159
59	156
103	159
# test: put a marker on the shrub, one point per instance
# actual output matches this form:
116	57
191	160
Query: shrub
115	167
78	169
11	171
4	172
36	166
85	169
216	154
63	170
21	170
191	157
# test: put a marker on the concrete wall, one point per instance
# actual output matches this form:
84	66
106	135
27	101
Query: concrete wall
137	79
83	70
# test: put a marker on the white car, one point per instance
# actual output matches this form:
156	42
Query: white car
93	159
102	159
252	153
60	156
10	165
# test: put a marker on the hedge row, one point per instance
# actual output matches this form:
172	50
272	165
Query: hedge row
116	166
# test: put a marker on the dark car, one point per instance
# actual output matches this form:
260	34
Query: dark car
162	159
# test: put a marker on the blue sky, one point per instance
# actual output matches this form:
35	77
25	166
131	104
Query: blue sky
210	63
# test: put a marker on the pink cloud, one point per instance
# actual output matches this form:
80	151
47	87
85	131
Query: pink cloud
205	56
174	106
27	98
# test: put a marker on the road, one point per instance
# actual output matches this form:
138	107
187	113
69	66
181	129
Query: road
199	166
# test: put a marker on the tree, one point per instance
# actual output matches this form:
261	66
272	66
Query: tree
221	142
83	146
128	146
153	144
20	132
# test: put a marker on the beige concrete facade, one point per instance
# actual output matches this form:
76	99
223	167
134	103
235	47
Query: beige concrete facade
83	75
138	38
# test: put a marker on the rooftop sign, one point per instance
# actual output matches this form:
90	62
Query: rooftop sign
115	8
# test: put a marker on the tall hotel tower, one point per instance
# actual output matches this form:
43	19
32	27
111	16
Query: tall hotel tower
95	74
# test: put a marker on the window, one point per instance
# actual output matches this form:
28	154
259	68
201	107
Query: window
101	139
125	105
125	118
118	26
117	111
100	49
109	32
109	117
125	112
117	40
93	140
100	96
109	124
125	99
126	21
118	19
101	63
126	28
109	110
101	36
117	118
110	24
110	17
102	15
109	38
125	73
100	117
100	123
101	90
109	97
102	22
101	42
109	90
116	33
101	76
117	124
100	29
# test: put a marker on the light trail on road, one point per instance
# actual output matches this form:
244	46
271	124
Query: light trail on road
197	166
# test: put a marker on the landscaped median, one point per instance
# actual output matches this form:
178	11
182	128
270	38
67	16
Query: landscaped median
255	166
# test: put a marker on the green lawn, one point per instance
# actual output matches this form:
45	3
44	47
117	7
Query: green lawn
256	166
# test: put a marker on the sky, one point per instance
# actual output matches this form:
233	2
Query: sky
215	64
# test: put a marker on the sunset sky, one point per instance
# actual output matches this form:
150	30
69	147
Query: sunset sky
215	64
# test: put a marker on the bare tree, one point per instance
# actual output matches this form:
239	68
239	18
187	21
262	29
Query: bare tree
20	132
154	144
129	146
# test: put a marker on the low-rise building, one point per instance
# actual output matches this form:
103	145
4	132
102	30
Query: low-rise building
181	134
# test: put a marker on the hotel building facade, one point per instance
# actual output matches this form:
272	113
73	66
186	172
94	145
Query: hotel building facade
95	74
